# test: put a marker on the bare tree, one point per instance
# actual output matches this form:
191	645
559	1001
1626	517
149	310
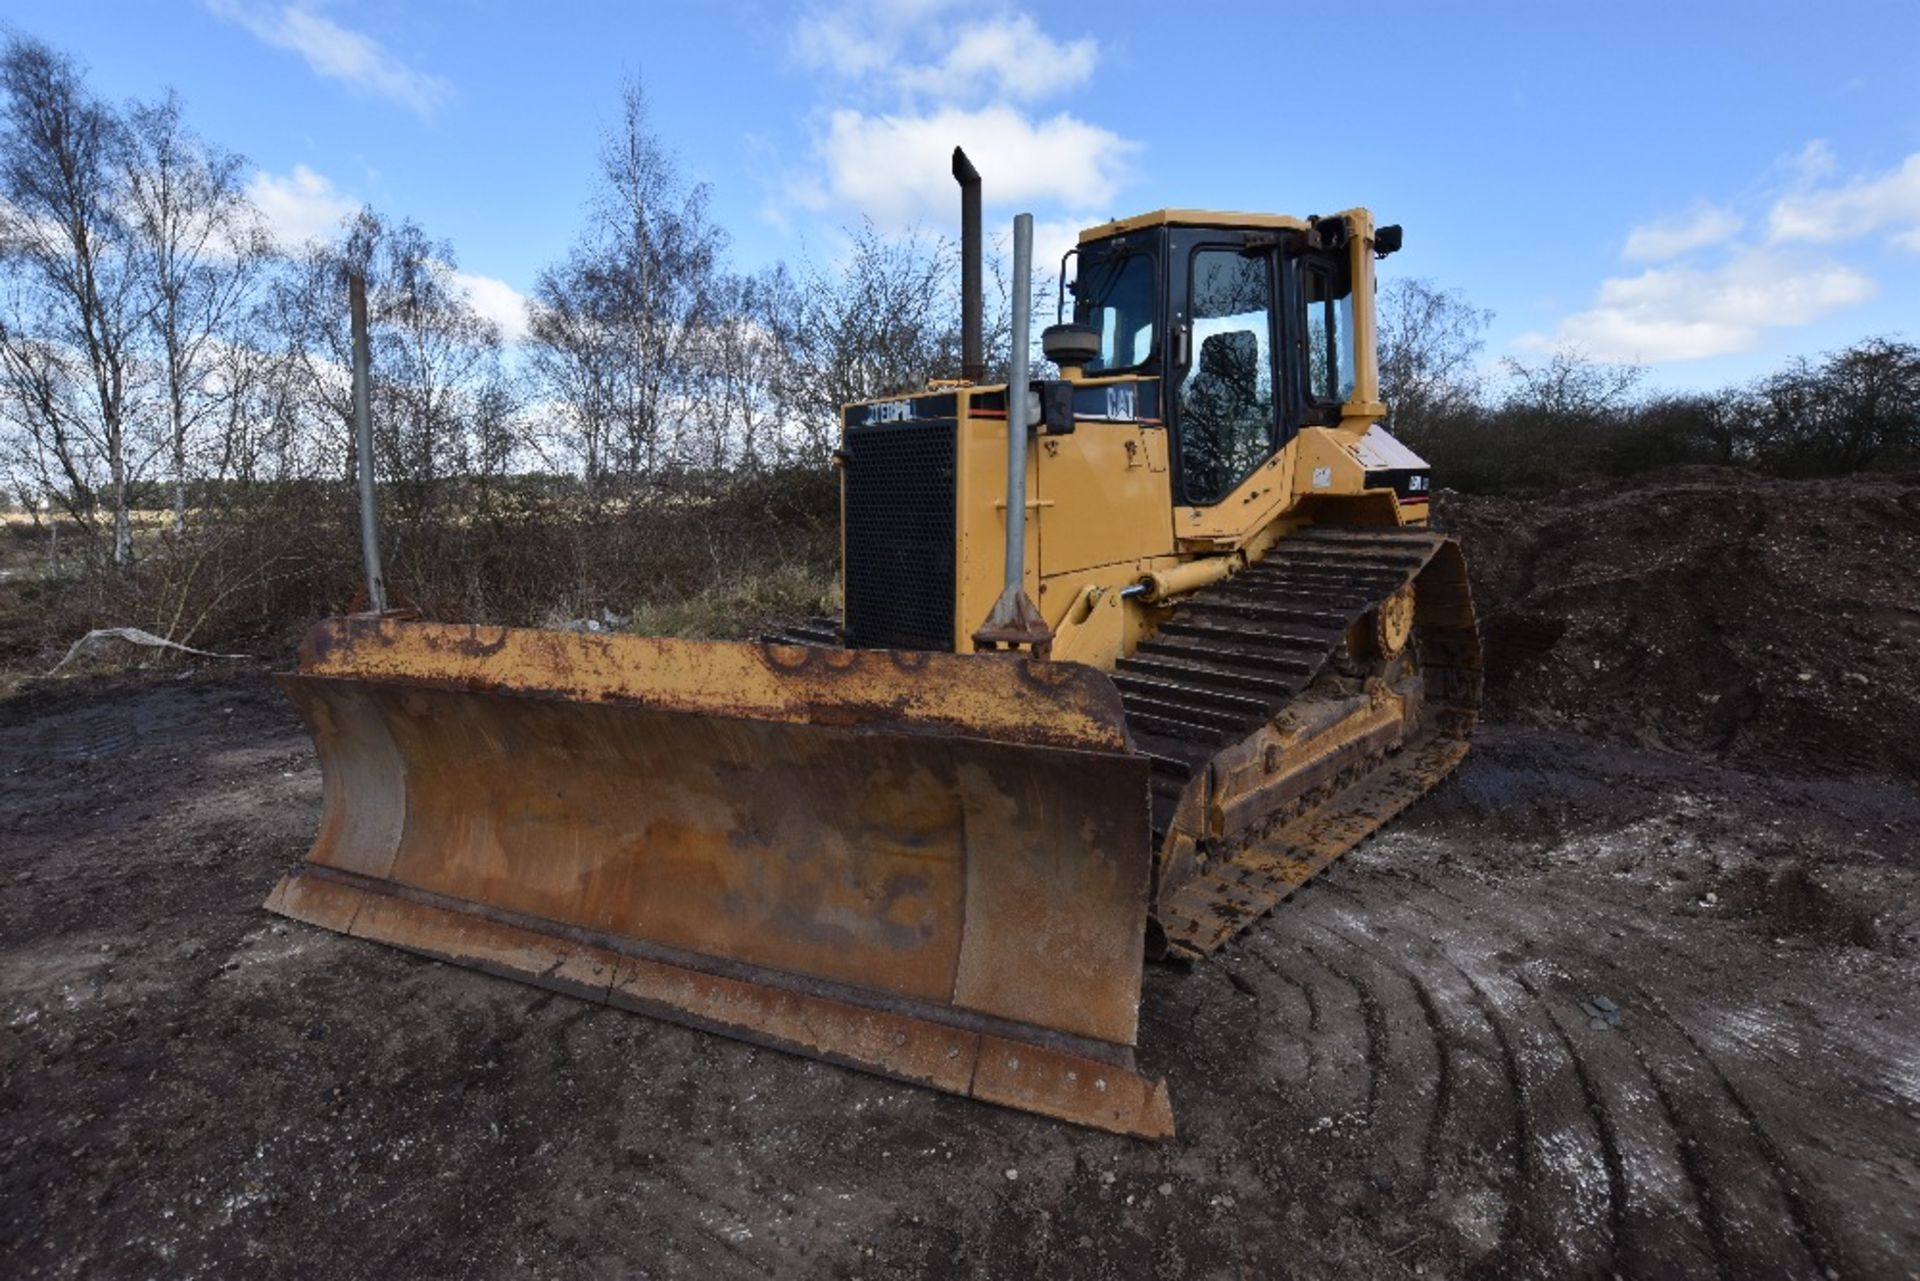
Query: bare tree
1857	408
1570	387
200	247
440	383
1429	341
305	312
442	400
734	418
615	326
75	307
888	320
47	452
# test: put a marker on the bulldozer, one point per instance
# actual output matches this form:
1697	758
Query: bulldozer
1126	655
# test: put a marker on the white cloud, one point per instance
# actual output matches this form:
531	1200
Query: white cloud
895	168
1009	57
912	52
858	41
1052	237
905	81
331	50
1909	240
1857	207
1676	313
1698	226
933	50
301	206
496	300
1813	162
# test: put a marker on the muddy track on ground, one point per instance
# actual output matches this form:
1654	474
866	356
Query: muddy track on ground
1586	1010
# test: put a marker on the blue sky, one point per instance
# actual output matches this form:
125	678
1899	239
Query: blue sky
1707	187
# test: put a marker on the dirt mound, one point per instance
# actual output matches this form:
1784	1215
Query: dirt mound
1771	622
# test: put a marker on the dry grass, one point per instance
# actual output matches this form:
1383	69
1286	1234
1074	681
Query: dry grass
743	605
728	560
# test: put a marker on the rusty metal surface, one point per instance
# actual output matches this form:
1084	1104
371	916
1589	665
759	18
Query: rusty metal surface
1016	699
959	841
1207	912
1341	780
996	1066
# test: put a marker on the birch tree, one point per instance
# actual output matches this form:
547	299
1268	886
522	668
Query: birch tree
74	302
200	247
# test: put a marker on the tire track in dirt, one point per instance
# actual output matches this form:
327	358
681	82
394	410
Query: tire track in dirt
1574	1188
1807	1233
1408	1078
1485	1148
1752	1218
1347	1036
1809	1239
1654	1202
1373	1027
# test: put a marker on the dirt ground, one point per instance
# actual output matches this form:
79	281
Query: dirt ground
1607	1002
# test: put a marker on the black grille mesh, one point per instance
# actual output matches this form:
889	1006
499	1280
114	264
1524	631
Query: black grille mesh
899	515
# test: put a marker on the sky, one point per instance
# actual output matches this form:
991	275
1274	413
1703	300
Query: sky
1706	188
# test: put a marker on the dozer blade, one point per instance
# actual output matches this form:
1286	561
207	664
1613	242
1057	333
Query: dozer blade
928	866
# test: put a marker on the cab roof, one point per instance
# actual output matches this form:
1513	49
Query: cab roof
1194	218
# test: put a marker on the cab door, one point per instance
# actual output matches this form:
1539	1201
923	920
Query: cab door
1226	396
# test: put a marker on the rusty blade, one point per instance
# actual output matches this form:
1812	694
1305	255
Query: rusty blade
1012	1072
953	850
1009	699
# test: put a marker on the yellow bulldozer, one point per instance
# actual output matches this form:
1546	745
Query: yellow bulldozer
1126	656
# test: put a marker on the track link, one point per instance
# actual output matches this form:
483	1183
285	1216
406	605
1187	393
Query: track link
1231	660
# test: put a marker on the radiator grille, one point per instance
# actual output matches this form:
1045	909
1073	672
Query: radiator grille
899	532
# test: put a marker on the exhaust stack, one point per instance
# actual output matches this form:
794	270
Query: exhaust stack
973	364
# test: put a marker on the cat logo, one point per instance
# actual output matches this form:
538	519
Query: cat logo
1323	478
1121	403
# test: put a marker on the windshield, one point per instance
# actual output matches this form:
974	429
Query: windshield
1115	294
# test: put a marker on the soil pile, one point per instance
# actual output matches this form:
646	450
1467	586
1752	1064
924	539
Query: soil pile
1771	622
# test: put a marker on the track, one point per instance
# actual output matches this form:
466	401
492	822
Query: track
1235	657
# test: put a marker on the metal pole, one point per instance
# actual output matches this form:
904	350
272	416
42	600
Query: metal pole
1015	621
1017	403
363	440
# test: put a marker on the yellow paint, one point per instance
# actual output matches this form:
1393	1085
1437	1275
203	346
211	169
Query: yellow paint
1118	470
1194	218
1101	513
980	531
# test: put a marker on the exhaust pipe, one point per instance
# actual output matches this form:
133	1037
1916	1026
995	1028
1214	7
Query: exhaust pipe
973	363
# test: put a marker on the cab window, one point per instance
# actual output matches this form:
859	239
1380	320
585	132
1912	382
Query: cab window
1116	293
1328	334
1226	393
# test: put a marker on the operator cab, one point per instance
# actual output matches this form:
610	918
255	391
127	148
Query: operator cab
1246	321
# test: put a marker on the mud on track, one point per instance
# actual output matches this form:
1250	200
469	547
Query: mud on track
1395	1075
